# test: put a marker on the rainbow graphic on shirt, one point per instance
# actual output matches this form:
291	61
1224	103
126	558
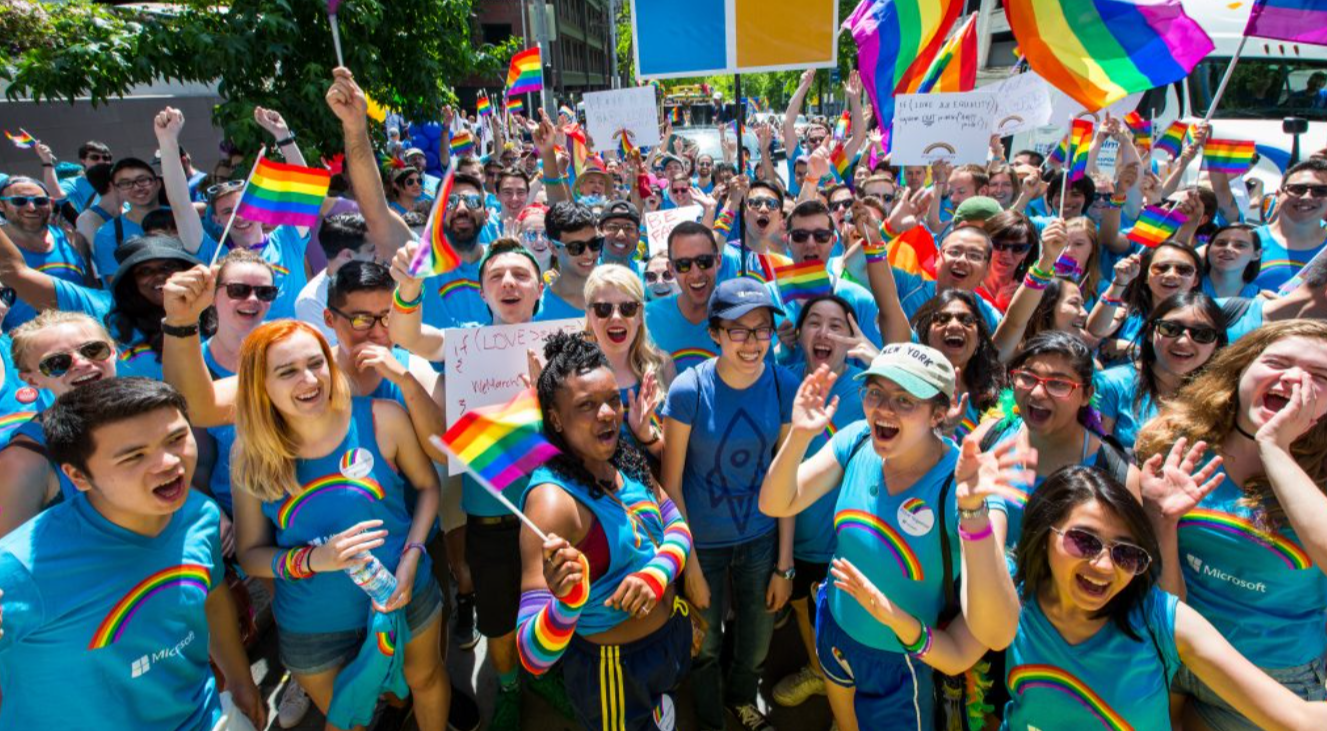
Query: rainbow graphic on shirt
831	430
13	421
387	643
913	505
1025	677
112	627
366	488
1015	496
279	269
638	512
687	357
55	267
884	534
1285	549
458	285
134	352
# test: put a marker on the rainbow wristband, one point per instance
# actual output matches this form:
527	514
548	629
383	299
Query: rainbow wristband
293	565
1032	281
1111	301
876	253
923	643
404	307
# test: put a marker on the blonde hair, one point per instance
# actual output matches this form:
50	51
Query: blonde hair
266	448
644	357
1206	408
245	256
22	337
1091	267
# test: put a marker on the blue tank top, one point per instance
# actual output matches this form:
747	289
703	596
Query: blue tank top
352	483
387	390
62	262
1279	264
224	438
631	535
19	402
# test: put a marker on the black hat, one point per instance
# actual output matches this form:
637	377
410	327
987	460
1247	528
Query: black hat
148	248
620	209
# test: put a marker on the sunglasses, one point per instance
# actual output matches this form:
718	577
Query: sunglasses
940	319
1300	190
1197	333
681	191
1019	248
58	364
652	277
471	200
801	236
1126	556
214	191
762	204
1056	387
763	333
842	205
604	310
22	201
704	261
576	248
410	181
1183	270
237	291
362	322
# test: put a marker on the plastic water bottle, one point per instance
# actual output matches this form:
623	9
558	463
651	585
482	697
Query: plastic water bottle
374	578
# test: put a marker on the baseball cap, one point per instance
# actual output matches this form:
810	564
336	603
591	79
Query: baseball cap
620	209
978	208
736	297
411	152
922	371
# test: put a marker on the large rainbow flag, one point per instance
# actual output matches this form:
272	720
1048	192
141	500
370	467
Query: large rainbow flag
896	42
502	443
436	255
1232	157
280	194
1156	224
1299	21
1100	51
955	66
526	74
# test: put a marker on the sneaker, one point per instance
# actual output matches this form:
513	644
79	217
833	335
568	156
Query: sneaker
782	617
463	714
794	689
750	717
464	629
550	687
507	710
293	706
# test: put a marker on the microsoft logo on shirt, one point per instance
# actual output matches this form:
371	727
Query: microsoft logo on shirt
1195	563
141	666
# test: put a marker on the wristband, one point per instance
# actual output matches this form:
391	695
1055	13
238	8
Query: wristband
411	546
1111	301
286	140
178	331
48	165
653	432
1032	281
552	181
1040	273
973	537
923	643
875	252
293	565
888	232
404	307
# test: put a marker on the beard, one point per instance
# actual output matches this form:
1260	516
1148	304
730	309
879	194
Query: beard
463	242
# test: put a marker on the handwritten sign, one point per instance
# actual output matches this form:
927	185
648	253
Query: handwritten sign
1023	103
485	364
955	128
609	112
658	224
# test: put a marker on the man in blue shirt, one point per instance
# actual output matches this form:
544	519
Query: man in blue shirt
574	232
78	190
140	187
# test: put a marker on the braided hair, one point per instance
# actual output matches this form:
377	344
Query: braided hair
571	355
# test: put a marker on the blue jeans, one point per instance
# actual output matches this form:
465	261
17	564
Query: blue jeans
1305	681
747	567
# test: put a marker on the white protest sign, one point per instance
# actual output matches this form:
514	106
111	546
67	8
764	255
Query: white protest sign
955	128
485	364
1064	108
1023	103
658	224
609	112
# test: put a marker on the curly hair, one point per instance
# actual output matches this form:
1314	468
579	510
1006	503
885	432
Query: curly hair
984	374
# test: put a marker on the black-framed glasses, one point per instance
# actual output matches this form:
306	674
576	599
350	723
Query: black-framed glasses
801	235
1017	248
762	204
652	277
473	201
681	191
240	291
1197	333
1126	556
23	201
58	364
142	183
764	333
1300	190
576	248
604	310
874	398
706	262
1059	388
363	321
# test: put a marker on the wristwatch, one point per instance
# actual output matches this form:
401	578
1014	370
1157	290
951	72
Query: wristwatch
789	574
286	141
178	331
981	512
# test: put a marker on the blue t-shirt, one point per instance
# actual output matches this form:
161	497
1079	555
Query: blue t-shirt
1260	588
1109	680
139	360
452	299
19	402
1279	264
79	192
689	344
105	243
553	307
863	309
1250	319
814	539
1115	389
63	261
734	434
95	303
284	250
1250	289
106	628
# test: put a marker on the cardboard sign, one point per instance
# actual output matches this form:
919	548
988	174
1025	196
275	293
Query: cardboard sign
955	128
1023	103
485	364
609	112
658	224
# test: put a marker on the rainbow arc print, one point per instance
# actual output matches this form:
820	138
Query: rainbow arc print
1286	550
1048	677
186	576
883	534
364	488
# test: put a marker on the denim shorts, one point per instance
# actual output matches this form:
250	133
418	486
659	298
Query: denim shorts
1305	681
309	653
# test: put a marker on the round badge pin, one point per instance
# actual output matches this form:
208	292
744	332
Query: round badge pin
26	395
915	517
356	463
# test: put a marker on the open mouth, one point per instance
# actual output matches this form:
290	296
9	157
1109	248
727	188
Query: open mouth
607	435
1274	402
1092	587
247	312
616	335
1079	322
1182	355
762	222
821	351
511	299
1037	416
310	397
954	342
87	378
884	431
749	356
171	490
959	272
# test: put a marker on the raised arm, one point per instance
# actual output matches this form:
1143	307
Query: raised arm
852	88
793	483
894	327
990	601
406	326
167	125
48	176
545	141
185	296
795	108
275	125
1170	485
1304	502
1013	326
32	286
1102	320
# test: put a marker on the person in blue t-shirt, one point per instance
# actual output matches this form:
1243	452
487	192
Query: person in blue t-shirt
407	190
679	324
619	222
140	190
27	213
1296	235
573	229
722	421
1248	551
78	190
114	602
1231	262
453	299
951	323
1141	282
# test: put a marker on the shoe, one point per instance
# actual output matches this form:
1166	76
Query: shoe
464	629
463	714
550	687
507	710
293	706
750	717
782	617
794	689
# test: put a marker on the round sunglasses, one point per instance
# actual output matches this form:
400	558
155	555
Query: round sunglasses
1126	556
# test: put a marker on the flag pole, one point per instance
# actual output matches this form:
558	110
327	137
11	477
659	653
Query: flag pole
1221	89
741	170
496	493
1069	156
221	242
336	40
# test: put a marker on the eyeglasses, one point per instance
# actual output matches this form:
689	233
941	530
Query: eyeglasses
1300	190
471	200
1126	556
1197	333
1017	248
98	157
762	204
704	261
652	277
142	183
874	398
1101	197
238	291
576	248
965	319
363	321
22	201
1183	270
970	254
764	333
801	235
842	205
604	310
619	229
1056	387
58	364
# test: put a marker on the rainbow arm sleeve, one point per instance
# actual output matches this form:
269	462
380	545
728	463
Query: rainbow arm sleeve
724	223
545	624
671	557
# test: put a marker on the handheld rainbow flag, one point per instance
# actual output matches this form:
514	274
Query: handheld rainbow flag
1060	152
803	281
1100	51
839	159
955	66
624	144
1298	21
896	42
463	143
436	255
577	147
1232	157
1142	132
22	140
283	194
843	126
677	115
1172	140
483	107
913	251
1080	142
1156	224
526	74
766	264
515	106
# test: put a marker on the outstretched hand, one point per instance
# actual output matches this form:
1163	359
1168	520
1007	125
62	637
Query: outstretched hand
1172	485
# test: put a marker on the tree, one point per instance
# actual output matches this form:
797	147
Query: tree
273	53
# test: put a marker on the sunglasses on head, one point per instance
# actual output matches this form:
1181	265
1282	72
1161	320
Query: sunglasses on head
652	277
1197	333
604	310
704	261
214	191
1126	556
58	364
576	248
801	236
238	291
22	201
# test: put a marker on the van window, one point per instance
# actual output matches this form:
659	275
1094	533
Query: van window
1262	88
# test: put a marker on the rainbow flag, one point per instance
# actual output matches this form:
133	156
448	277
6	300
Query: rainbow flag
767	264
1232	157
803	281
526	74
1080	141
22	140
624	145
1060	152
502	443
839	158
578	148
677	115
280	193
1298	21
1156	224
896	42
843	126
483	107
1100	51
1141	130
435	254
515	106
955	66
1172	140
463	143
914	251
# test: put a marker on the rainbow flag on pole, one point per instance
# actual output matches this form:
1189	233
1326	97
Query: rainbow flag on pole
896	42
526	74
839	159
843	126
1142	132
955	66
483	107
22	140
1298	21
1156	224
280	194
803	281
435	254
1232	157
1172	140
1080	142
463	143
1100	51
502	443
515	106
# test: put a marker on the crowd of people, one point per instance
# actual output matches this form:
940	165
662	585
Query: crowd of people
1049	478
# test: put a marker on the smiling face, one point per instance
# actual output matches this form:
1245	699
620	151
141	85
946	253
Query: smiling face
1183	355
1232	250
1001	188
900	422
1301	209
1172	271
914	176
697	284
150	277
1008	251
30	218
621	236
241	316
138	187
513	193
464	221
67	338
139	466
964	258
1073	204
746	357
1078	247
615	333
243	232
578	266
1088	584
1265	385
953	332
1042	412
823	321
298	377
511	288
962	187
811	229
1070	315
587	412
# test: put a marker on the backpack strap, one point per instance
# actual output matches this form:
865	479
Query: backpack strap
947	576
1113	458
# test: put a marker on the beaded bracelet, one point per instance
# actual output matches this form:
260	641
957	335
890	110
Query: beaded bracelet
1111	301
293	565
553	181
923	644
404	307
